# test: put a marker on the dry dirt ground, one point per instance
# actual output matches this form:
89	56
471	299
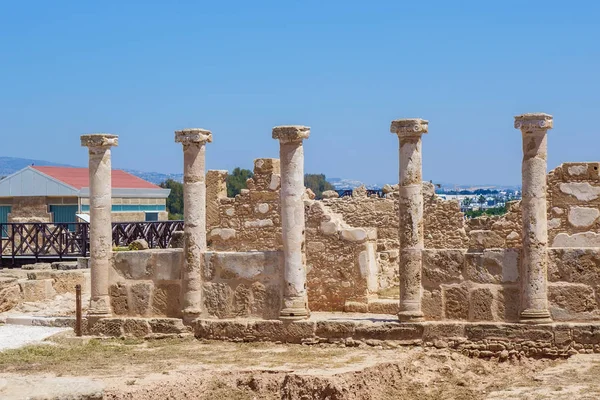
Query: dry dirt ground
185	368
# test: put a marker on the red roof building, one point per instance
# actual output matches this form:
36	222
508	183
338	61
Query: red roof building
60	194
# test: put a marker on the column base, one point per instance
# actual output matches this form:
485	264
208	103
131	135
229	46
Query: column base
100	307
411	316
533	316
294	314
189	315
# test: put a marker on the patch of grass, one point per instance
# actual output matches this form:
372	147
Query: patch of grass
392	292
104	357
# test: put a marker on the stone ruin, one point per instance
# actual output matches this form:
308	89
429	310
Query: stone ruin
275	264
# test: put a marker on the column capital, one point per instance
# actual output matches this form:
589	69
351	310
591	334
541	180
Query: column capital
193	135
409	127
291	133
534	122
99	140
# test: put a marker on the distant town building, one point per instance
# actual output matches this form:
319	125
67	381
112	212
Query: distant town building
61	194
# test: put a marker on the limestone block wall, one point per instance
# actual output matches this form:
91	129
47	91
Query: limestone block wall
444	225
146	283
243	284
341	260
135	216
573	197
29	209
459	284
574	205
251	220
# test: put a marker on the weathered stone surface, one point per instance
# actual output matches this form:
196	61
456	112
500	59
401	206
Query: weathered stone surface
140	298
177	240
65	265
379	306
10	293
574	265
37	290
218	299
485	239
431	305
456	299
581	239
266	300
354	234
583	217
167	325
167	264
222	234
243	265
330	194
166	300
242	301
118	299
570	301
481	305
442	266
65	281
136	327
433	331
112	327
582	191
492	266
139	244
37	266
133	264
509	300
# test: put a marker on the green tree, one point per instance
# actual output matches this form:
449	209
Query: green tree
481	200
236	181
175	199
317	183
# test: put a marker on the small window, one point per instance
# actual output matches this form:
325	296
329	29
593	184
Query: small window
151	216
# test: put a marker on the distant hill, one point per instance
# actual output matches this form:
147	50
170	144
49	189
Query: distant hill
10	165
155	177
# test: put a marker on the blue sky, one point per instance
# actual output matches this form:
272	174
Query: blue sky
142	69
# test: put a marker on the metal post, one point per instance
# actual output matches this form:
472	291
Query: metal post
77	310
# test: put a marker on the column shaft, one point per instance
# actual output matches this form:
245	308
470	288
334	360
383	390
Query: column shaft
295	298
410	230
100	234
194	215
194	197
410	227
534	303
292	224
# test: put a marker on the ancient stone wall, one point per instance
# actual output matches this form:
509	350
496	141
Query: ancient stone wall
341	260
243	284
251	220
146	283
29	209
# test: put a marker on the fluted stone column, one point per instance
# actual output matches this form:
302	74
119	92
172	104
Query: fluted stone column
99	146
410	229
534	296
291	154
194	215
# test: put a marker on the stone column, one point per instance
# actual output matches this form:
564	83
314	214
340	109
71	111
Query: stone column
534	281
194	215
291	154
99	146
410	229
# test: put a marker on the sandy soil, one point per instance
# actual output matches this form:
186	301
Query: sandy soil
186	368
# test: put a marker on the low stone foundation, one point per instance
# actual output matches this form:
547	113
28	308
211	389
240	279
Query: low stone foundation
484	340
135	327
